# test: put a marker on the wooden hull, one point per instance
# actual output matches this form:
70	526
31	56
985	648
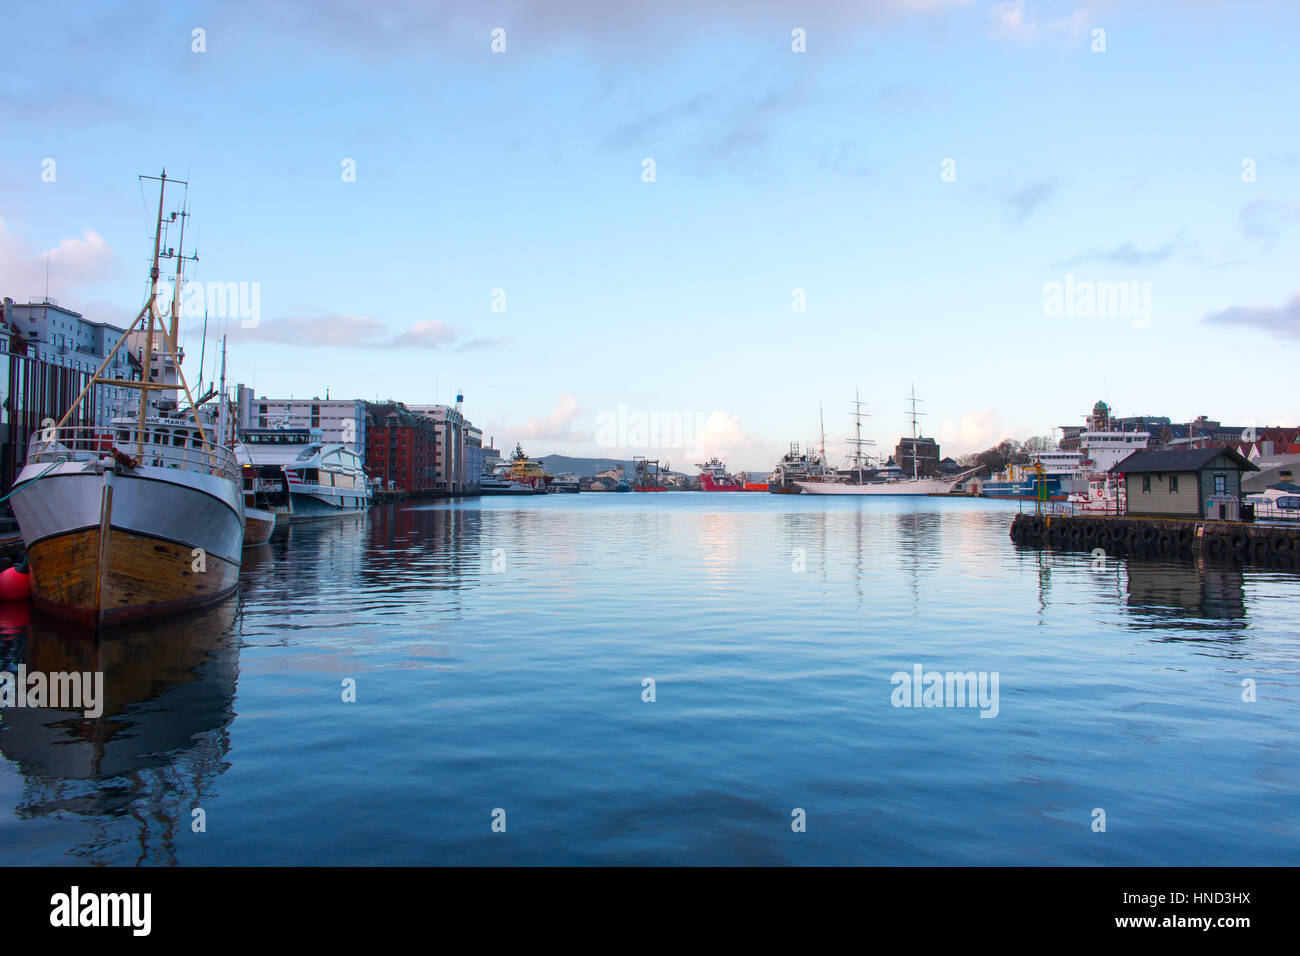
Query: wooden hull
106	548
259	525
81	577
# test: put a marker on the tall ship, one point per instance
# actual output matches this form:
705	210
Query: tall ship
299	475
864	478
144	518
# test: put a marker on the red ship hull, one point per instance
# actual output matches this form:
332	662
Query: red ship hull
708	484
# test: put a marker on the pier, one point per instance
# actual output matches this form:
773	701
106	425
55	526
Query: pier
1260	544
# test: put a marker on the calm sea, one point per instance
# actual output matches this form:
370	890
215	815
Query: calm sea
673	678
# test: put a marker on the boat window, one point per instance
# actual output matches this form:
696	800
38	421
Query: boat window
123	435
178	439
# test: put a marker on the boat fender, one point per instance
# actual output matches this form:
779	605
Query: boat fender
15	585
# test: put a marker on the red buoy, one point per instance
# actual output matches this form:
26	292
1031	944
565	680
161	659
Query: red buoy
15	585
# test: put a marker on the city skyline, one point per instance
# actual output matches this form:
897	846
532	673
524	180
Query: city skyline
932	183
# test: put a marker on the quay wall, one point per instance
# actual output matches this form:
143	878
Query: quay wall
1262	544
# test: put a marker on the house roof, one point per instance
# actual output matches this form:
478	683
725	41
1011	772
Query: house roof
1166	460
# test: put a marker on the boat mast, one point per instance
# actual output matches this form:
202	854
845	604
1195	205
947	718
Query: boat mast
221	427
147	363
859	441
914	400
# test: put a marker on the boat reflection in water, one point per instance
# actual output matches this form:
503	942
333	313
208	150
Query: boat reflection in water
128	779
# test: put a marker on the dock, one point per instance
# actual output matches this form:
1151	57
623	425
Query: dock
1267	545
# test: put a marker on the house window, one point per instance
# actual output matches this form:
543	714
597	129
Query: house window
1173	484
1146	484
1220	484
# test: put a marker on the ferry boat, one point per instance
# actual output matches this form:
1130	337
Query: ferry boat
147	518
298	475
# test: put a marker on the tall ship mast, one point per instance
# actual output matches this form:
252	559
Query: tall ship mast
890	480
143	516
859	462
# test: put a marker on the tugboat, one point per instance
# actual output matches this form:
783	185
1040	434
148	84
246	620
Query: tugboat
144	520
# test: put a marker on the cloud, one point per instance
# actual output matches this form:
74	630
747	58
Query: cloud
1130	254
75	263
1022	203
1017	20
1263	219
1283	321
351	331
416	27
555	427
428	334
974	431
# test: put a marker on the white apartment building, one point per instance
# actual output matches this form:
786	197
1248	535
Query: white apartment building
66	338
341	421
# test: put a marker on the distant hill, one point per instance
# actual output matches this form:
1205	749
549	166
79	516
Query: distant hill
586	467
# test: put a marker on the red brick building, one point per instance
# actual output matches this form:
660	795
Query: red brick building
401	448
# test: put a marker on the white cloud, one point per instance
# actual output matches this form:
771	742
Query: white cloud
75	263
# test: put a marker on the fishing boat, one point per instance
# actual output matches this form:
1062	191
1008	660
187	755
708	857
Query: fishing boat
145	518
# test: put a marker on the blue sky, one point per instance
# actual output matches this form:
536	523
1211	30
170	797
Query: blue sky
774	171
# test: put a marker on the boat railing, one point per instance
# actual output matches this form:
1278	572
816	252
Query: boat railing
87	443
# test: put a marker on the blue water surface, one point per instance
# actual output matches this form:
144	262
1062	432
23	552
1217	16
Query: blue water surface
501	650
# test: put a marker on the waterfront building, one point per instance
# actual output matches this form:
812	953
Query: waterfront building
450	474
341	421
60	337
401	448
917	457
1184	483
473	467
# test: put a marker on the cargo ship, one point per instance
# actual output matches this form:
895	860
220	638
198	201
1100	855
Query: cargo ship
714	477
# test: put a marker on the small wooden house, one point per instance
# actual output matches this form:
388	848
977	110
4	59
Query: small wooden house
1185	482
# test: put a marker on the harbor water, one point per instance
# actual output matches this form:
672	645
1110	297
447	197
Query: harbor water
673	679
